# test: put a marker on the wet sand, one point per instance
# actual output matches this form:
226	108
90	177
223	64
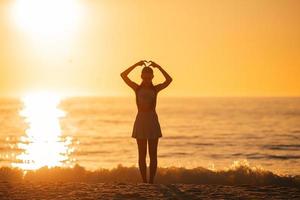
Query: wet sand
80	190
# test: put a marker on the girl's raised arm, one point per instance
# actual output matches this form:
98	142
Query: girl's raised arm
166	75
125	73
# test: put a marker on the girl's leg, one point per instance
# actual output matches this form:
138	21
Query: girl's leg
142	147
152	144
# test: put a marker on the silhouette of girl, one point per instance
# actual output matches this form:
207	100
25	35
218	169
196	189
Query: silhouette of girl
146	126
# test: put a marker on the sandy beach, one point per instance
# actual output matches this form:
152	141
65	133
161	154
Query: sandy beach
80	190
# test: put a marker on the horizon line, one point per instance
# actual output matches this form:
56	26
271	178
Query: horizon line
167	96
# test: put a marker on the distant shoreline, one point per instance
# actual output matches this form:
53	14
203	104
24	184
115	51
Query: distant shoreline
165	97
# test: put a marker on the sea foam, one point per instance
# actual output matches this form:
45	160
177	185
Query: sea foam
240	173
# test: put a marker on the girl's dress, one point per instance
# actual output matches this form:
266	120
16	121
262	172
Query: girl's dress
146	125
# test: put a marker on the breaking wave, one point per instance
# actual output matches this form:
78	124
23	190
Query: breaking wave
239	173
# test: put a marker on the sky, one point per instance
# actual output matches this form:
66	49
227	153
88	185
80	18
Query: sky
209	47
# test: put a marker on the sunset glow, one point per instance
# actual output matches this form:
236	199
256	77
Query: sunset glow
42	144
219	48
47	18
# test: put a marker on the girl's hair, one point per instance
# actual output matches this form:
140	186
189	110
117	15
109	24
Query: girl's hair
147	70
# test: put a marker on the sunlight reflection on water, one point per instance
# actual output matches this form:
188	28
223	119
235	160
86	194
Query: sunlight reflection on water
43	144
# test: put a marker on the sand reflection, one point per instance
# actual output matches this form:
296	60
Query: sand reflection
43	144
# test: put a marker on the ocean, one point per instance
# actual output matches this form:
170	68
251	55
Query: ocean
208	132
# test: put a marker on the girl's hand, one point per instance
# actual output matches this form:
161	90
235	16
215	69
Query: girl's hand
140	63
154	65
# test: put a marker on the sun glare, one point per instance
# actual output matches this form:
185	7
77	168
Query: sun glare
44	18
43	144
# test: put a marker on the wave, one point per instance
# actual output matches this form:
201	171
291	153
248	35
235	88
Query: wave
239	173
260	156
283	147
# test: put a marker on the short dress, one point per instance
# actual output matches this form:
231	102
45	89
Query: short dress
146	125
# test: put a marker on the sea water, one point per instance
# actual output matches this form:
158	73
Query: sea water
95	132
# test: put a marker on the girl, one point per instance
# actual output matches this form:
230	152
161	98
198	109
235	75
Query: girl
146	127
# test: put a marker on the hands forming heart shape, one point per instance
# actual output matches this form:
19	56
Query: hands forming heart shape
147	63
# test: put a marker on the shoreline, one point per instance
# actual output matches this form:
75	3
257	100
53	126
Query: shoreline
240	182
241	174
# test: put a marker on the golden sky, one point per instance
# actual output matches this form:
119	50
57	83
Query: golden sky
209	47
